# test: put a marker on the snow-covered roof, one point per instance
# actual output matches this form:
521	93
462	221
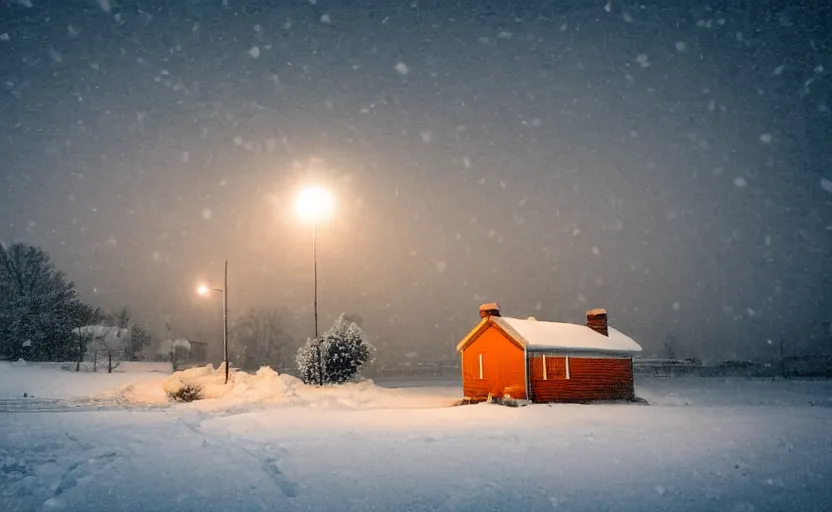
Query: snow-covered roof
538	335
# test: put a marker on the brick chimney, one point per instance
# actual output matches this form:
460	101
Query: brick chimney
490	309
596	319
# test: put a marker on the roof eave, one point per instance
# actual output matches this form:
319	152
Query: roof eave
484	324
472	334
540	348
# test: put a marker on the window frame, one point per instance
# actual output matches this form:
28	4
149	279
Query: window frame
567	370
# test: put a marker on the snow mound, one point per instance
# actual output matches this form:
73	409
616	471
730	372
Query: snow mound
246	391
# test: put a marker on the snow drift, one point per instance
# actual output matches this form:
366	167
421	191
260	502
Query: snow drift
268	388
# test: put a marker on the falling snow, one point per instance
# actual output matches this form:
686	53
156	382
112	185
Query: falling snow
689	142
402	68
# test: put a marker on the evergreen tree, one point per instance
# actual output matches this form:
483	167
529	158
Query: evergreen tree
309	365
38	306
337	357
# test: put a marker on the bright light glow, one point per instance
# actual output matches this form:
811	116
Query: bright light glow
202	290
315	204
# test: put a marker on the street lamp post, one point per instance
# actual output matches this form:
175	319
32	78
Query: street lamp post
318	354
315	275
314	205
203	290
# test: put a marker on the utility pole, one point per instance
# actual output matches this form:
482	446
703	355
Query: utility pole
225	319
318	354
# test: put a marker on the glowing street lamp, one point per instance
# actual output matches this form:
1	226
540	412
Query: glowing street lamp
315	205
204	291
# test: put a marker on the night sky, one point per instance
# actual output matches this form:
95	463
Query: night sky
670	162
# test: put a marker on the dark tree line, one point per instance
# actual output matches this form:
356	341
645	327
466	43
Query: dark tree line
39	307
40	311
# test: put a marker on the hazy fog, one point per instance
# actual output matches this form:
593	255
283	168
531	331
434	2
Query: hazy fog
672	164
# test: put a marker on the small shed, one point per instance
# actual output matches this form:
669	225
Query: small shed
546	361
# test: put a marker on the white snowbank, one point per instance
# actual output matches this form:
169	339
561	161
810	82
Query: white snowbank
245	391
135	383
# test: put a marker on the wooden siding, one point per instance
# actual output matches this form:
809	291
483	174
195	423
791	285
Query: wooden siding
503	366
589	379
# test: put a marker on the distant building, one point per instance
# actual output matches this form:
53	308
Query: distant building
546	361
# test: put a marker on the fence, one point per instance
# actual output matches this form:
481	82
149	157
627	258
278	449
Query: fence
815	366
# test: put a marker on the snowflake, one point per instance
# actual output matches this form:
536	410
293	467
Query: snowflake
402	68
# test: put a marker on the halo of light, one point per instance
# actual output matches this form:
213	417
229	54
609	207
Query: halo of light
315	204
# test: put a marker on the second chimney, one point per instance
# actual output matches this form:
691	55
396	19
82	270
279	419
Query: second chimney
490	309
596	319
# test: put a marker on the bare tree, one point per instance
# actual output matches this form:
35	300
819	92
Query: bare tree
259	338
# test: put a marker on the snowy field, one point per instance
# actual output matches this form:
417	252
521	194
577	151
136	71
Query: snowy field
266	442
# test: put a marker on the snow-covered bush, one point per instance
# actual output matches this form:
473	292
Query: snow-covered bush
187	392
336	357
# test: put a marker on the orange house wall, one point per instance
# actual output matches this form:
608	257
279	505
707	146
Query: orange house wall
503	366
590	379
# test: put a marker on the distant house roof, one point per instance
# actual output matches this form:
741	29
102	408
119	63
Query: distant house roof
538	335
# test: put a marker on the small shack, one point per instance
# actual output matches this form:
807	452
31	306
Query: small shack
546	361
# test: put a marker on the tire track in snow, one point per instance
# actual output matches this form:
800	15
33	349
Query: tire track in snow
270	462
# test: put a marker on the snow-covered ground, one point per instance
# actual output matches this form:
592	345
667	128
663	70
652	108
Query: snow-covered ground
48	380
704	444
